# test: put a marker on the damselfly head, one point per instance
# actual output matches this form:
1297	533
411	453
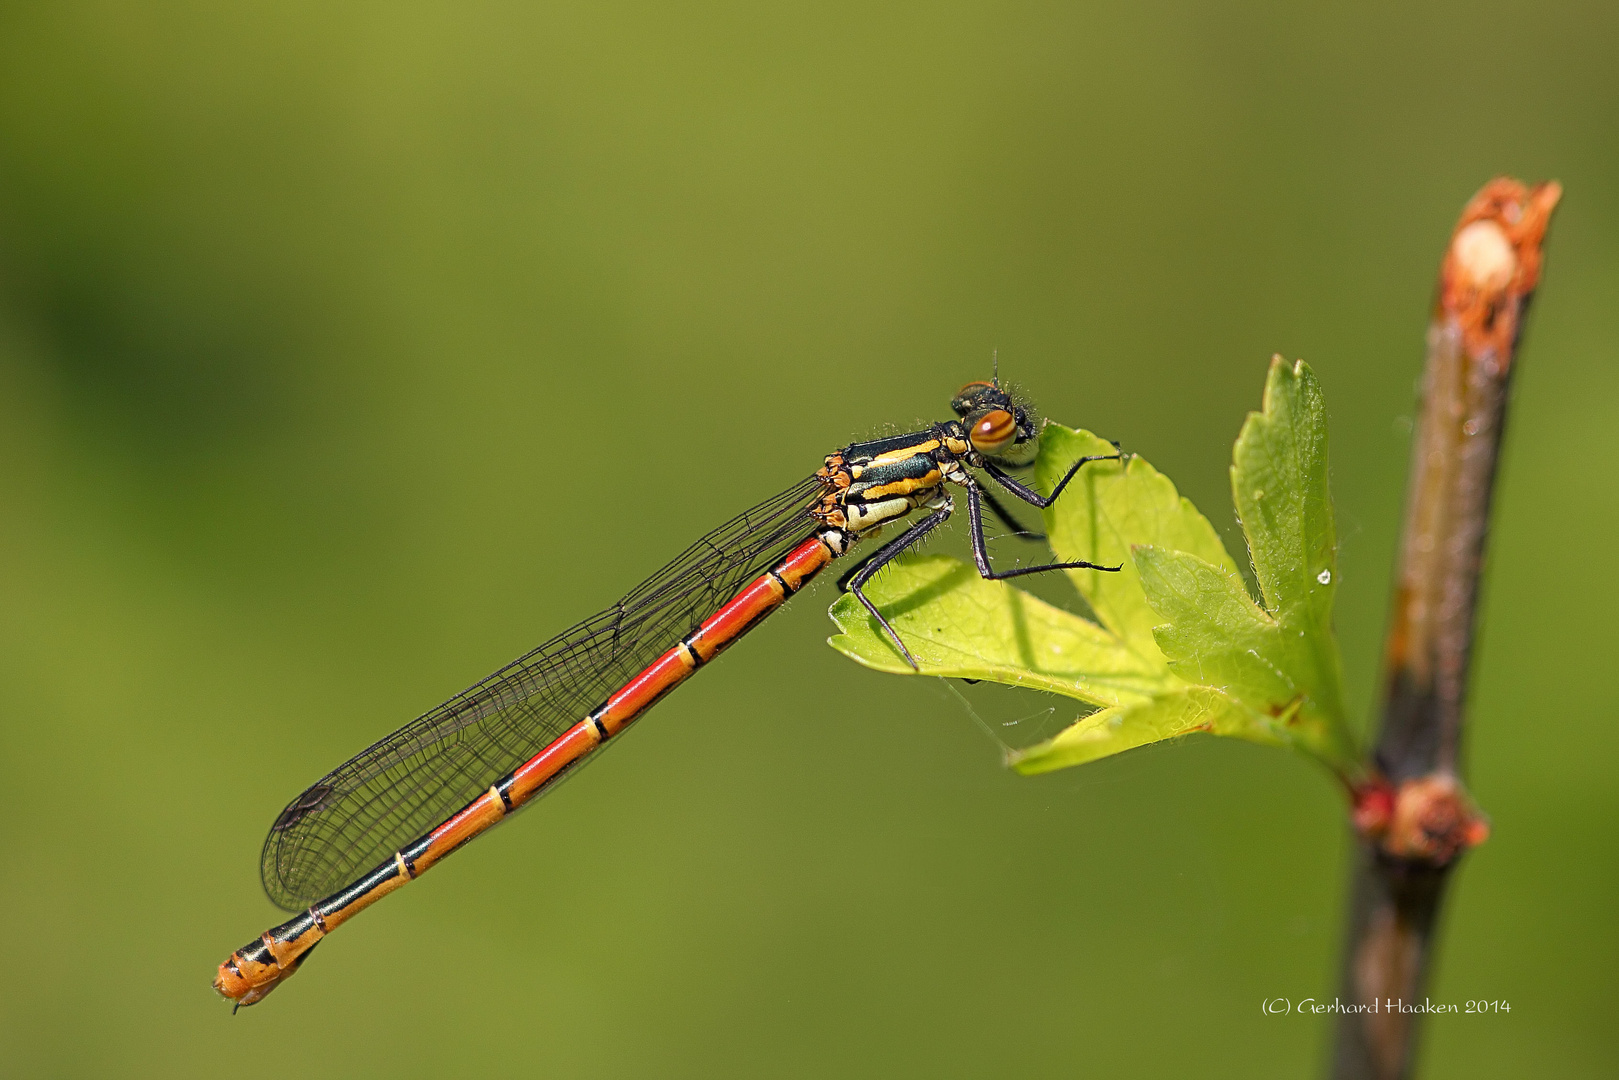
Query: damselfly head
998	424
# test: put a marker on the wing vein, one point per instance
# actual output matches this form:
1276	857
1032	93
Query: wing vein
404	785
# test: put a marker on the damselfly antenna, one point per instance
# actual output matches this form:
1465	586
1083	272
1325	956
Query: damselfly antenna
995	367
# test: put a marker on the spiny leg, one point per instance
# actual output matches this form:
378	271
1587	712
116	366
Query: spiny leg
860	564
975	523
1022	531
887	554
1019	530
1033	497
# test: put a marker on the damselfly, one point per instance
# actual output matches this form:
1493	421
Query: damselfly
390	813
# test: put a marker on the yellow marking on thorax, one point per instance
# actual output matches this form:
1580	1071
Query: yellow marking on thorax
404	868
904	453
903	487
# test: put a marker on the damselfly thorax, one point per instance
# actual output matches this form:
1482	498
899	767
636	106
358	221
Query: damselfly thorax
393	811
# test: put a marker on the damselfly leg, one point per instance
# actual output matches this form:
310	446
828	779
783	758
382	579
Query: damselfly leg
1033	497
977	496
975	519
887	554
1019	530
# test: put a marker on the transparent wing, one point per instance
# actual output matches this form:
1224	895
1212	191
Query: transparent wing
402	787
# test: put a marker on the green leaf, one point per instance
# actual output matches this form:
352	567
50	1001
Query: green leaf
1279	486
1183	711
1105	510
1216	636
1179	646
958	625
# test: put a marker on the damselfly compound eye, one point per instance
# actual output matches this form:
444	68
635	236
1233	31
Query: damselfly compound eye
993	432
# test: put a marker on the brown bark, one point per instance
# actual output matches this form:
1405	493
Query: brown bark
1414	817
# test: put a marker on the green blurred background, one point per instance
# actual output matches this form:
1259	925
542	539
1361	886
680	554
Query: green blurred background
348	351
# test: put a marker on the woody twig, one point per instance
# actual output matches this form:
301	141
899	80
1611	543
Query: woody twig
1414	816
